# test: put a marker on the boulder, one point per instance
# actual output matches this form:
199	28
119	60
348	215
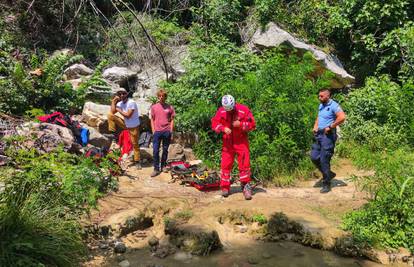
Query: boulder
76	71
121	76
274	36
175	152
46	137
75	83
96	138
96	116
149	78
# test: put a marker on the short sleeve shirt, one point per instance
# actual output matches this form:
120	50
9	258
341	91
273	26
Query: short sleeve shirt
162	116
327	113
132	121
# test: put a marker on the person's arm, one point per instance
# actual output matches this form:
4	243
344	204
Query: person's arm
127	114
152	116
340	118
315	126
250	123
216	124
114	101
172	119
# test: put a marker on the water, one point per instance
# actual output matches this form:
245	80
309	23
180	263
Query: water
283	254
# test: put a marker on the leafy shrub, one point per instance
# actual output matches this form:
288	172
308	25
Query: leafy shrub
41	204
21	91
379	114
279	93
220	17
208	67
387	220
370	36
120	46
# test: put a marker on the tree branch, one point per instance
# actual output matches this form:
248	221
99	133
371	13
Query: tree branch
148	37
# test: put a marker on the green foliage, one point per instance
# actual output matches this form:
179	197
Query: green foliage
309	19
371	36
120	46
279	93
33	234
379	114
220	17
21	91
387	220
41	203
260	218
208	67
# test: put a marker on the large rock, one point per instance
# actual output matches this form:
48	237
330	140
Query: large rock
274	36
46	137
149	77
96	138
122	76
96	115
175	152
76	71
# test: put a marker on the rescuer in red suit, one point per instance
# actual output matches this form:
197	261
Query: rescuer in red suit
234	121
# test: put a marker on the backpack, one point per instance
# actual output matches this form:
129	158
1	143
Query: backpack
144	139
62	120
83	138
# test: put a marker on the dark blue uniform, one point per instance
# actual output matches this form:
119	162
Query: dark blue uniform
323	148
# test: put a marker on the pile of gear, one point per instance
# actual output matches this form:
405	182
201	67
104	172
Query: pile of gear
194	175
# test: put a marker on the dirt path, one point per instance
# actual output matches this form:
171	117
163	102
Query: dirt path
138	192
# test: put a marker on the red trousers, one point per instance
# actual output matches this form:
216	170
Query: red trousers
227	159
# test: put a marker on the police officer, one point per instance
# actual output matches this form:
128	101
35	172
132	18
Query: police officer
330	115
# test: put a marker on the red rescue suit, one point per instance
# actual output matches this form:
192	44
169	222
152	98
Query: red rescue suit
235	143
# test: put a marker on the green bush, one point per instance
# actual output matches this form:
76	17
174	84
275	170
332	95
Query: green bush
21	91
280	93
208	67
387	220
379	114
120	45
220	17
369	36
41	205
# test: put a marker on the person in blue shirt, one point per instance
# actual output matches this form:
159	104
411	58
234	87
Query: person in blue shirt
330	115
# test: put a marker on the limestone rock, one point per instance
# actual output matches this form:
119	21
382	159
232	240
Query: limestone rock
96	115
175	152
97	139
122	76
274	36
76	71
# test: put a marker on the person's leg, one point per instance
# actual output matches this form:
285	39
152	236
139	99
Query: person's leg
327	149
315	154
243	160
166	140
115	123
156	152
134	133
227	159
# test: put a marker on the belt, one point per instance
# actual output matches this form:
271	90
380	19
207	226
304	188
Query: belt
322	131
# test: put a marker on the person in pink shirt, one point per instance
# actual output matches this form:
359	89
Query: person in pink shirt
162	125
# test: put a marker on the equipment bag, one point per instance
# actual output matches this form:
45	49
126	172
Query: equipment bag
144	139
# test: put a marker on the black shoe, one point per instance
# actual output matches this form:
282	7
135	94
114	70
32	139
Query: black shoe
155	173
225	192
325	188
333	175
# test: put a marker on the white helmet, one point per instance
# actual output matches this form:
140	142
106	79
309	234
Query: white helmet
228	102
